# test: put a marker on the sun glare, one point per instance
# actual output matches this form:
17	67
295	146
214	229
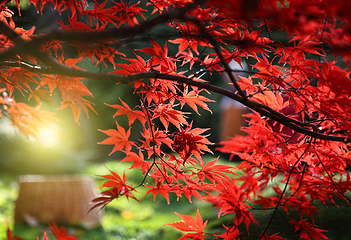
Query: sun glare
48	137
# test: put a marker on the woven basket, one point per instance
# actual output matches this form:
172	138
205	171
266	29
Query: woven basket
62	199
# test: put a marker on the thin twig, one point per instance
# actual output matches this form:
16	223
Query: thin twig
331	179
284	190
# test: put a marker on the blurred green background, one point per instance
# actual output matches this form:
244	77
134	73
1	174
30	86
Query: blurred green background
125	219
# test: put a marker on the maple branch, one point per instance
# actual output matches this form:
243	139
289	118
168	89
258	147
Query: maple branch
22	47
60	69
24	65
55	67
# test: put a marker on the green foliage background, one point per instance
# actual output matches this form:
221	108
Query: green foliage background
125	219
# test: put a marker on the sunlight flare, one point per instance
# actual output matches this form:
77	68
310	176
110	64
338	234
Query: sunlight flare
48	137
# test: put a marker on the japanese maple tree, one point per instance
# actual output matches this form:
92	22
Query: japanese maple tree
299	53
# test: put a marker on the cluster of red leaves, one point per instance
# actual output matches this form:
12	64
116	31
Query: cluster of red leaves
118	187
189	142
306	95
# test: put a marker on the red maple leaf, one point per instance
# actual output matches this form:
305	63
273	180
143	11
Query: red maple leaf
190	141
131	114
192	42
102	14
60	233
167	115
159	5
127	13
308	230
159	188
214	172
159	60
118	187
10	237
45	236
74	25
193	99
136	66
119	138
18	78
138	161
189	224
154	137
73	92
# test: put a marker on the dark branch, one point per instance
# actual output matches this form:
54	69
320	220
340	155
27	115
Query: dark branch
60	69
29	47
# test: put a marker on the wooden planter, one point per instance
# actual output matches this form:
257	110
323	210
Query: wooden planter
62	199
